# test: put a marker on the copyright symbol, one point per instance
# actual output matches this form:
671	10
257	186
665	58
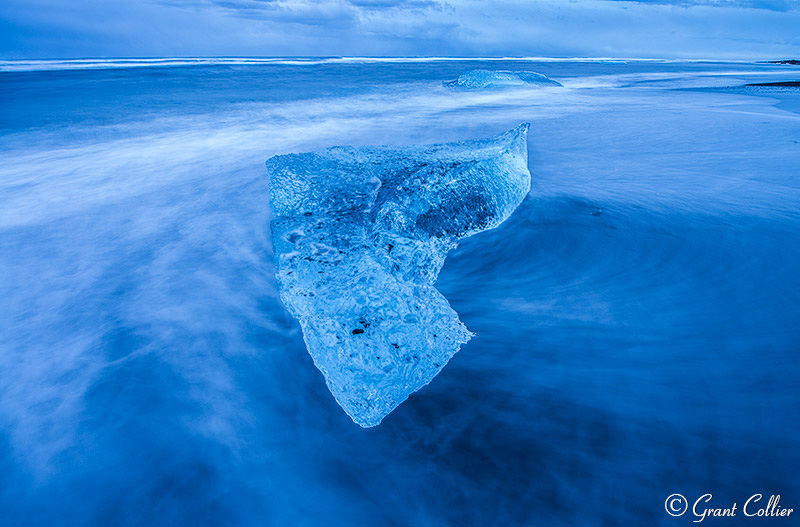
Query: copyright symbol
676	505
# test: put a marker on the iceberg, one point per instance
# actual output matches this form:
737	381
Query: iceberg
481	79
360	235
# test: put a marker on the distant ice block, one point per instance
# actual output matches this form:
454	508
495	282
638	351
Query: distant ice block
360	235
479	79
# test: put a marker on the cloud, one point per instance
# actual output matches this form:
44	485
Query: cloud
305	12
395	4
684	28
772	5
324	13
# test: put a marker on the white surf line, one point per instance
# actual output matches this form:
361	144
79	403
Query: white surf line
14	65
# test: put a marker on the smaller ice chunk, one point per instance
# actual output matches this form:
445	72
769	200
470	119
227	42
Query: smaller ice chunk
482	79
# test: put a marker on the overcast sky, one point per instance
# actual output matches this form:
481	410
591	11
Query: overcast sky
747	29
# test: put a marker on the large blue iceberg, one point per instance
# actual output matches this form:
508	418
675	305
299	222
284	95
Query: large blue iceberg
360	235
481	79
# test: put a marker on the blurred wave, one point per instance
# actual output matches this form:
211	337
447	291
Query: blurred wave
636	317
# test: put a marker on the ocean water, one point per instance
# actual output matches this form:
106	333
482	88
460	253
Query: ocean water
637	318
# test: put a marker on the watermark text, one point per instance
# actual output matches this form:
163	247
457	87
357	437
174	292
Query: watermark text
703	507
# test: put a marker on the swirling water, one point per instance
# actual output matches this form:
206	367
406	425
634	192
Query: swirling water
636	318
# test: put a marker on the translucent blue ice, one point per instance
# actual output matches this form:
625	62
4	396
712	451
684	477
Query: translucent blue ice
360	235
479	79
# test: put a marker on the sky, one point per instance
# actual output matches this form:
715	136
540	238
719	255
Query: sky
724	29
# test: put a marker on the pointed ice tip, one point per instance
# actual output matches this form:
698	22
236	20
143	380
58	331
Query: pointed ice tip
521	130
367	423
517	138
